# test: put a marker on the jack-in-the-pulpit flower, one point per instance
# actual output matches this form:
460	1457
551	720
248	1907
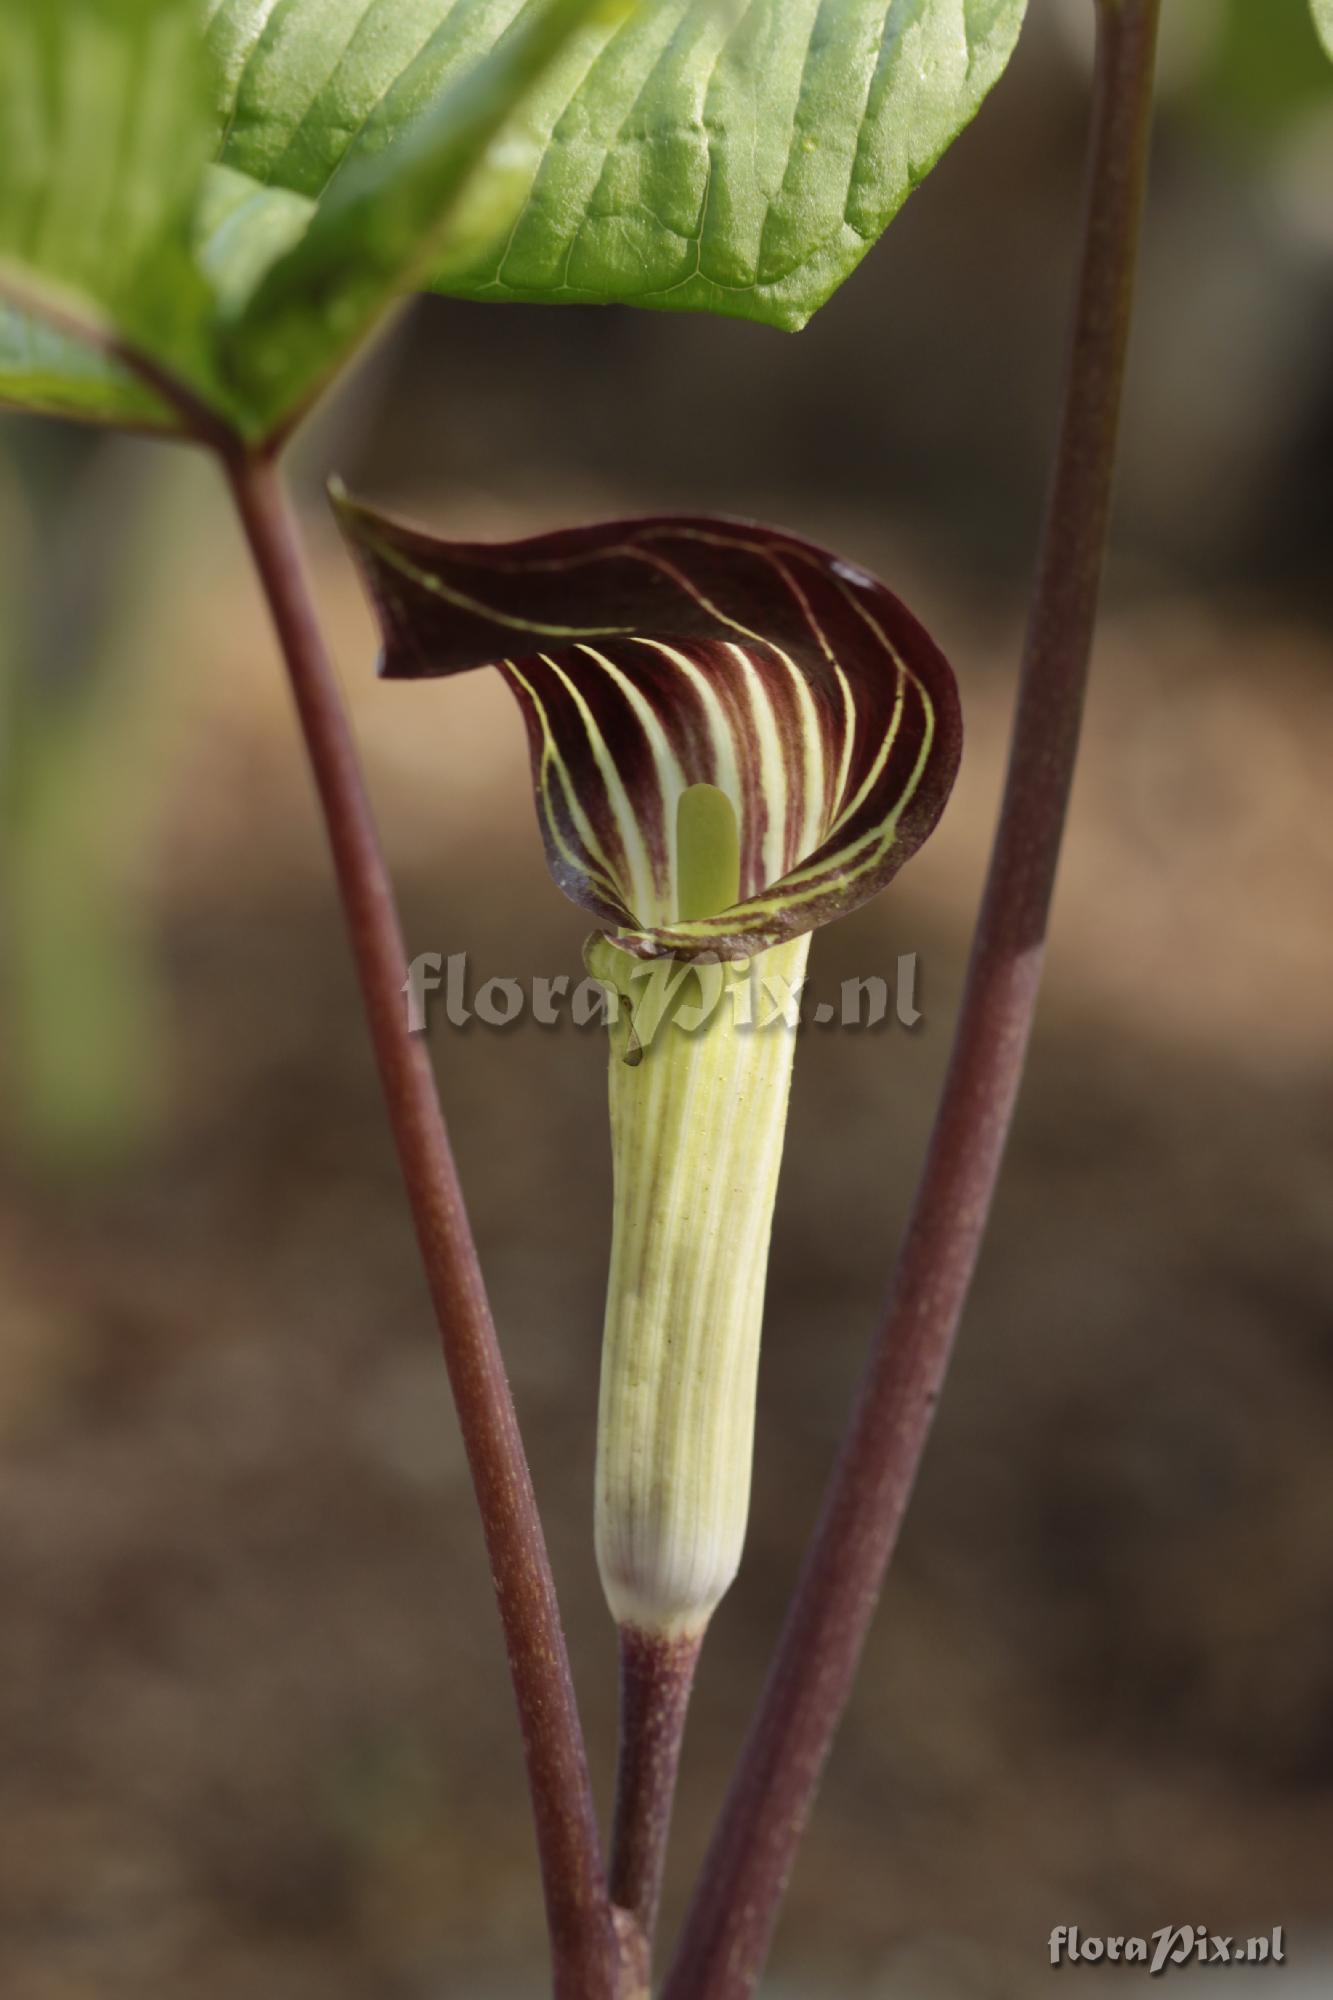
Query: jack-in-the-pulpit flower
735	737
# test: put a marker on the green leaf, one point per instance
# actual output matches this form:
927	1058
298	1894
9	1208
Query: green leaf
395	198
105	125
212	193
690	154
1323	21
231	193
45	370
738	161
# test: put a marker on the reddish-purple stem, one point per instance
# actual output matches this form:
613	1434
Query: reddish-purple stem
584	1949
587	1960
656	1676
727	1932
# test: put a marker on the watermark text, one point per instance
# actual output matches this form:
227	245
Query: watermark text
1173	1945
437	985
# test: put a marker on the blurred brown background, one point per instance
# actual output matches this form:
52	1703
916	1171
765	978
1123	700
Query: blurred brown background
254	1723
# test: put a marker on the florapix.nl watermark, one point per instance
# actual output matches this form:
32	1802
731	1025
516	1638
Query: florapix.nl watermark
1165	1949
439	986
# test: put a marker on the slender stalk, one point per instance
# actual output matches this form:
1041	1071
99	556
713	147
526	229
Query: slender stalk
656	1676
592	1954
727	1932
584	1949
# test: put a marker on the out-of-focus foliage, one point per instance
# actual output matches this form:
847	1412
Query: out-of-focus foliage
1260	66
84	765
117	232
104	133
1323	20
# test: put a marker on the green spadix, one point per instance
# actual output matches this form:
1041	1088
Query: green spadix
697	1125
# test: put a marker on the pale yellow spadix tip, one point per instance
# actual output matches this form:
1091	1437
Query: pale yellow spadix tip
708	853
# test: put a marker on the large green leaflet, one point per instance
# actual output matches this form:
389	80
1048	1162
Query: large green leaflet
240	204
739	158
735	156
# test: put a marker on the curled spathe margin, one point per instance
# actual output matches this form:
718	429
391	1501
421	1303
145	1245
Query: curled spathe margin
650	657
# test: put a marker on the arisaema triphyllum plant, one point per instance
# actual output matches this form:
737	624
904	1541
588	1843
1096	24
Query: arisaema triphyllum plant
735	737
206	208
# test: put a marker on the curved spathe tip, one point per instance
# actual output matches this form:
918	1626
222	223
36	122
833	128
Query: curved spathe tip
654	657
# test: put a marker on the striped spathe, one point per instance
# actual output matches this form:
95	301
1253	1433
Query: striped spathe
649	656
